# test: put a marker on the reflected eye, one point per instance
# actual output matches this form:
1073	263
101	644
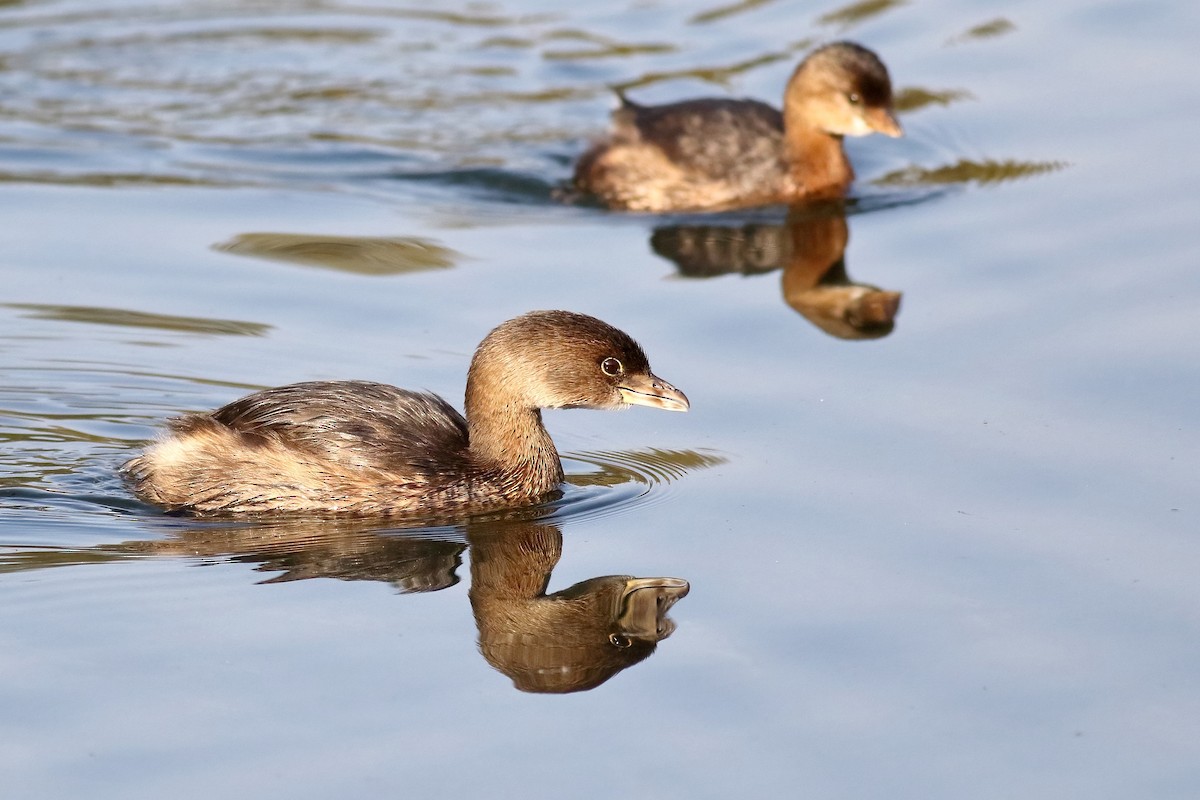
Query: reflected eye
610	366
855	98
616	639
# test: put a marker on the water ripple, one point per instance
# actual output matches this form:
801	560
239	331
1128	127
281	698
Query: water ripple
622	481
321	96
72	499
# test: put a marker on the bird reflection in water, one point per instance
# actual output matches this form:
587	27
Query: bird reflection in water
567	641
809	247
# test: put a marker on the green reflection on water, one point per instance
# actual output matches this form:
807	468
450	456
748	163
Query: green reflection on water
968	171
721	12
649	467
109	179
512	42
855	13
276	34
362	255
913	98
94	315
474	20
613	50
721	76
46	432
987	30
24	560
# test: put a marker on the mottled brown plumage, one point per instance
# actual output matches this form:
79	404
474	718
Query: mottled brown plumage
717	153
369	448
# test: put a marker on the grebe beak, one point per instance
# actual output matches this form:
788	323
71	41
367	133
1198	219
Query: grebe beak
648	389
884	121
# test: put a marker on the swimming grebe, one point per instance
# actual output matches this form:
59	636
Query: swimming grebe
369	448
713	153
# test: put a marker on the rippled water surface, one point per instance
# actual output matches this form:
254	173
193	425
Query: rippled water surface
941	552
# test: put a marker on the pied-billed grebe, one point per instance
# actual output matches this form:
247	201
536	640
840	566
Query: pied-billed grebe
368	448
716	153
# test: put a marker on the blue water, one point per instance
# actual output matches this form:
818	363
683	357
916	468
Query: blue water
953	559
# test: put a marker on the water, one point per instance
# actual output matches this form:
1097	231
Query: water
950	556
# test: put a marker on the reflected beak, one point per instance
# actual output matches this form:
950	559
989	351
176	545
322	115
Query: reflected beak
645	603
883	120
648	389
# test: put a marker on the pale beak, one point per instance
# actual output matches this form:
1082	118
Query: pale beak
648	389
644	606
884	121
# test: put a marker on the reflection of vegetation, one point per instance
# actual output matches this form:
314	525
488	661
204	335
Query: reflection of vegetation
252	36
604	46
966	171
48	432
913	98
717	75
988	30
721	12
858	12
475	20
515	42
138	319
108	179
609	51
651	466
23	560
552	94
364	255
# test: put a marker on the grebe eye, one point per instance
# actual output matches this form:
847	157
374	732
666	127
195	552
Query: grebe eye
610	366
854	98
